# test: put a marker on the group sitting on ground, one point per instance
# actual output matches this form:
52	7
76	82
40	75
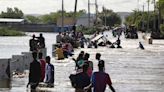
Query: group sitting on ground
85	78
41	71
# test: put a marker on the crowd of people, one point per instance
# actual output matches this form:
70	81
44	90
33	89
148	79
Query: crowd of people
85	78
41	70
117	31
131	32
66	42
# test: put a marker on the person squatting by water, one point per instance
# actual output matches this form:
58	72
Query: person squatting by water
59	53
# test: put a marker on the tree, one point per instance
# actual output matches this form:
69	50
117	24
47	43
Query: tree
139	20
161	5
12	13
33	19
161	15
52	17
110	18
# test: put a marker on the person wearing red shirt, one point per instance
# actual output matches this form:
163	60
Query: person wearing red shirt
100	79
42	65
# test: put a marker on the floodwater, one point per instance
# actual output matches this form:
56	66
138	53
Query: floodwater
131	69
15	45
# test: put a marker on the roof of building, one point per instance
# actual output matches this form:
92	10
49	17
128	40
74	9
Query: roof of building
11	20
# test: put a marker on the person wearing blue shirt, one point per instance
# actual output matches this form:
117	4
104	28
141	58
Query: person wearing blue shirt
49	75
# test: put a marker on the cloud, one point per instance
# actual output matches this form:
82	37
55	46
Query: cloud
46	6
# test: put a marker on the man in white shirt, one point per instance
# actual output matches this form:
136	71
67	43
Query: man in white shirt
49	72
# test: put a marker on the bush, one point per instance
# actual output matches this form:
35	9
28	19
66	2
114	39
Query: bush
4	31
162	29
87	31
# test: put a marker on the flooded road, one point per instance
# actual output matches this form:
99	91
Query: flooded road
131	69
15	45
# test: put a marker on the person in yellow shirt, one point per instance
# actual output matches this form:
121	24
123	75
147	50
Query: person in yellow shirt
59	53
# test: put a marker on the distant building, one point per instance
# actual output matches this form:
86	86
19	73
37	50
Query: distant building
83	20
11	21
68	21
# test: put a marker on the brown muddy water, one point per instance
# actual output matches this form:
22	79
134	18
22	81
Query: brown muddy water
131	69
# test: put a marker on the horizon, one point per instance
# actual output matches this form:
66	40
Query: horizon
40	7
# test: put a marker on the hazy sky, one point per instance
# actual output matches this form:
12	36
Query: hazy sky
46	6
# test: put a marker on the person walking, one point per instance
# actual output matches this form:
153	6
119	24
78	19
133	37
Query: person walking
82	80
98	56
43	65
90	63
49	77
100	79
35	72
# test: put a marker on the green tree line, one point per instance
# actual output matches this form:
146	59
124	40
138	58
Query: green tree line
107	15
12	13
149	22
52	17
109	18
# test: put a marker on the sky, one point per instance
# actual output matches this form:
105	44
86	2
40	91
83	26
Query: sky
47	6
